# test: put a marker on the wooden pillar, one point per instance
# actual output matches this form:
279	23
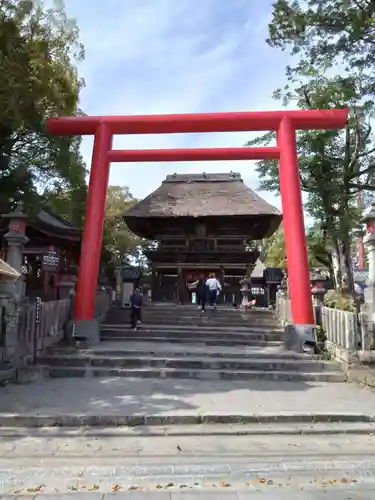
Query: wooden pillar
221	279
180	286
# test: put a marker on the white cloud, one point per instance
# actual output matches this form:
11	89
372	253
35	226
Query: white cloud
168	56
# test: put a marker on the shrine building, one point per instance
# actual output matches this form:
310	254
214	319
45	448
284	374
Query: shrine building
201	223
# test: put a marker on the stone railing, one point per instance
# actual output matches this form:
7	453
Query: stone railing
342	328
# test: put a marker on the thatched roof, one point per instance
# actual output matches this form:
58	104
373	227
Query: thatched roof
202	195
7	273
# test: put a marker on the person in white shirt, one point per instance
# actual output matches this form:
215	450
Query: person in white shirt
214	288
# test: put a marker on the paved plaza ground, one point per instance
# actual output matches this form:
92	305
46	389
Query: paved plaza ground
57	461
124	397
350	494
186	462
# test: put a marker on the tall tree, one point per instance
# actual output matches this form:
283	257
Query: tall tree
327	33
319	255
334	165
118	241
327	37
38	49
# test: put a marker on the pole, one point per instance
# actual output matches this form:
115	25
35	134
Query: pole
93	229
294	229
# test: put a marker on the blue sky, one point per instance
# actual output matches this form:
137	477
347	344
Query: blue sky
176	56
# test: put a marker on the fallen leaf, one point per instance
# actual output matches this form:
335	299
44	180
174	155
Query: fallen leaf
223	484
35	490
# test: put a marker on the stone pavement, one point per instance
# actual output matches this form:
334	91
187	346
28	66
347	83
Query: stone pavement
50	463
349	494
119	397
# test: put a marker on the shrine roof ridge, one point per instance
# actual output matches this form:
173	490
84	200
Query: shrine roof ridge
204	177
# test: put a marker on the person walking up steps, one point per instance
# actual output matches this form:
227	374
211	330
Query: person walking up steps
201	292
214	288
136	301
200	288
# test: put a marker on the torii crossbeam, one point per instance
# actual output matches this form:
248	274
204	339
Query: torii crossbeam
284	123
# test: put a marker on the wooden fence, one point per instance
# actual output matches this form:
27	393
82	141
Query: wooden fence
343	328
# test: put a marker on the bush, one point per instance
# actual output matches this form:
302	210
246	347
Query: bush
337	300
320	334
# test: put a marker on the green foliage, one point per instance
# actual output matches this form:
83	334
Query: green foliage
118	242
325	33
38	48
68	204
328	37
274	248
338	300
319	256
321	335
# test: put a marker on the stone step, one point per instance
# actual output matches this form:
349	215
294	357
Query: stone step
209	311
194	363
159	337
275	428
164	373
243	329
196	316
182	334
60	423
186	351
250	339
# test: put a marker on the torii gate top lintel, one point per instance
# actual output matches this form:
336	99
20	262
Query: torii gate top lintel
315	119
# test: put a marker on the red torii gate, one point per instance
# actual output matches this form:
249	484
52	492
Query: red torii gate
285	123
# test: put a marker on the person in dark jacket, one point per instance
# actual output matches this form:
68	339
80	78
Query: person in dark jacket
201	292
136	301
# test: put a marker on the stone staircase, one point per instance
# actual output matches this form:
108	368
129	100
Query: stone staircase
182	342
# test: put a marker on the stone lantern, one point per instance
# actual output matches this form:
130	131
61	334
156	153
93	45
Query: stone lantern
16	237
283	288
319	289
245	291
